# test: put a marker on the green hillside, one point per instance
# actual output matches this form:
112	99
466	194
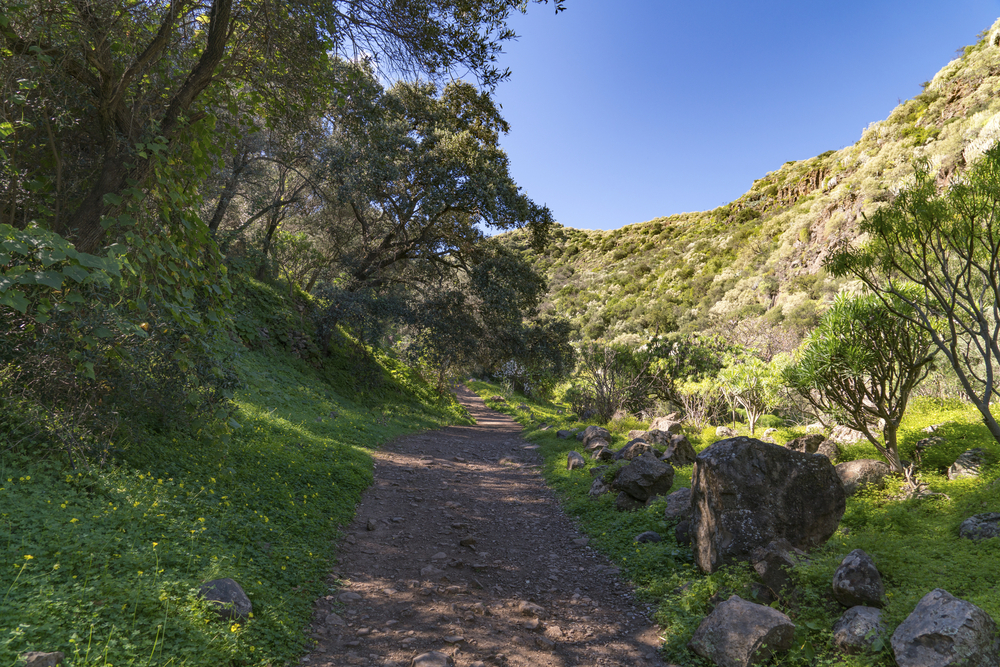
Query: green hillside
754	267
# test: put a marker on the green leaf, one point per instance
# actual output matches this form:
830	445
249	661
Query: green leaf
88	369
15	299
77	273
73	297
234	423
103	332
4	258
53	279
111	199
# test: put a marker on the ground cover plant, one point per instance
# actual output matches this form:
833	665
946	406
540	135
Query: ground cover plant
915	543
103	561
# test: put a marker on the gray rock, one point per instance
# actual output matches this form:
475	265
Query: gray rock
592	432
830	450
740	633
860	473
635	434
925	444
371	525
669	424
598	470
626	503
597	443
943	631
858	630
843	435
648	536
968	464
768	435
38	659
432	659
598	488
773	564
746	493
679	451
678	505
602	454
682	533
633	450
980	526
565	435
575	460
806	443
857	581
227	599
725	432
644	478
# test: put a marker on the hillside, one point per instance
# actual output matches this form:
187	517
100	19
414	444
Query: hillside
754	267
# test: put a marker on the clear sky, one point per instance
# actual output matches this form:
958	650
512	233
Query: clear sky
623	111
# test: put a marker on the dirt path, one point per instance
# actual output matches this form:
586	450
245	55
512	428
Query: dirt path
460	548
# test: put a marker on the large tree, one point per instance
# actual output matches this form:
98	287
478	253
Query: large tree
933	259
90	84
861	364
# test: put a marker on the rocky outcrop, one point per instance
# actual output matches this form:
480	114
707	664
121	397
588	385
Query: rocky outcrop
857	581
746	493
806	443
679	451
740	633
980	526
843	435
644	478
668	424
858	630
857	474
592	432
968	464
943	631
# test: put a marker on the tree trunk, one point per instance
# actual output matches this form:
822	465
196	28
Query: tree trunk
892	448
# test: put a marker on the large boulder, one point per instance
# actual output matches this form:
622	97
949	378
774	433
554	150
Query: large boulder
980	526
227	599
858	582
725	432
626	503
575	460
592	432
944	631
644	478
968	464
843	435
679	451
597	443
830	450
773	564
861	472
746	493
669	424
740	633
633	450
678	505
858	630
806	443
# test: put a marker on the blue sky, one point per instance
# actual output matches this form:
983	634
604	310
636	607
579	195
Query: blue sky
625	111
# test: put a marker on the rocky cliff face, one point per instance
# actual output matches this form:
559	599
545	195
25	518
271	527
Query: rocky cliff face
757	263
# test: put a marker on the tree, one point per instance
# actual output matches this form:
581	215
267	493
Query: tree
416	175
861	364
119	74
933	260
752	384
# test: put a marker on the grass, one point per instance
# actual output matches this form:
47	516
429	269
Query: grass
915	543
104	563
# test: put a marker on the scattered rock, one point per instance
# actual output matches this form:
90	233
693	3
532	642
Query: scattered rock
725	432
670	424
843	435
467	542
498	399
565	435
679	451
858	629
597	443
968	464
581	541
815	427
943	631
597	471
633	450
773	564
439	556
769	435
37	659
648	536
592	432
227	599
859	473
432	659
858	582
526	608
545	643
644	477
598	488
739	633
575	460
932	428
746	493
678	505
454	639
980	526
603	454
349	596
333	619
372	525
830	450
626	503
532	624
806	443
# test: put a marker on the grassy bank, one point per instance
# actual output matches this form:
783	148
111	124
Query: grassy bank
103	561
915	543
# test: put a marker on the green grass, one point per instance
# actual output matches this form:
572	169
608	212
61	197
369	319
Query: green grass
104	562
915	543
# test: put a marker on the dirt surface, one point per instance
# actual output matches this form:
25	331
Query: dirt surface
460	548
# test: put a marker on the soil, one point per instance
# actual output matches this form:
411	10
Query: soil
460	548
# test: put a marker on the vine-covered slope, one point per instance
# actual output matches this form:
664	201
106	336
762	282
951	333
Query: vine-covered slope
757	263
